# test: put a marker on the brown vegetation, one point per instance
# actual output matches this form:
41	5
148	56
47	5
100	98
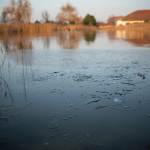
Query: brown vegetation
28	28
17	12
37	28
68	14
16	16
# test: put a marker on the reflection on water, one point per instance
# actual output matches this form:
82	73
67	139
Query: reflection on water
69	40
16	42
88	97
90	36
74	39
46	42
137	38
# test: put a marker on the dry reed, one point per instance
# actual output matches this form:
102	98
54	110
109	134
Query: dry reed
28	28
47	27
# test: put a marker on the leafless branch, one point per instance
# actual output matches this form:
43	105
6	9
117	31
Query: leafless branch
68	13
45	17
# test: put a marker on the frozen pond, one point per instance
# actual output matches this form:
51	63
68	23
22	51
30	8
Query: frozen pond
75	91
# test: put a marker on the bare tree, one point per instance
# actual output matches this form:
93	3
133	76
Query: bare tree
23	11
111	20
11	10
76	18
4	15
60	18
45	17
67	13
19	11
8	13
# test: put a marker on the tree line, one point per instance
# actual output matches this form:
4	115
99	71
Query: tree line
17	12
20	12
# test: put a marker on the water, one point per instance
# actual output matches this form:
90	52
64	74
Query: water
75	91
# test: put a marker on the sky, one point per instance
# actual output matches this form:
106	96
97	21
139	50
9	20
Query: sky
101	9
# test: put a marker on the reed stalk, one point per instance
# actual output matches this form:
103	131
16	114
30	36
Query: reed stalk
47	27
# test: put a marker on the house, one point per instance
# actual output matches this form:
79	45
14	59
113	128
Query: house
112	20
139	16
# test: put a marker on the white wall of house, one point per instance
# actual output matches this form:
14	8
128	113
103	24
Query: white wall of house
120	22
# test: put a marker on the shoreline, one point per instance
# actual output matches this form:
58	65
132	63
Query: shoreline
47	27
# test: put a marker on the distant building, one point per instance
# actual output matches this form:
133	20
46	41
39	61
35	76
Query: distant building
139	16
112	20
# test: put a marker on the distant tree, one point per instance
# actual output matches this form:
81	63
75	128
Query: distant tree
100	23
45	17
23	11
67	11
60	19
89	20
4	15
111	20
19	11
76	19
12	10
111	16
68	15
37	21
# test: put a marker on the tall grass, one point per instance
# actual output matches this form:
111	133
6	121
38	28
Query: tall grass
27	28
39	28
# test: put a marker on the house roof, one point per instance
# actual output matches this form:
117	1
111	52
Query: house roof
138	15
115	18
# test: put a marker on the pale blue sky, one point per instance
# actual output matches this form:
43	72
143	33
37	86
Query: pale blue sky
101	9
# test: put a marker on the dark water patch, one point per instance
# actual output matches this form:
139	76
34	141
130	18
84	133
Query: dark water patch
55	90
